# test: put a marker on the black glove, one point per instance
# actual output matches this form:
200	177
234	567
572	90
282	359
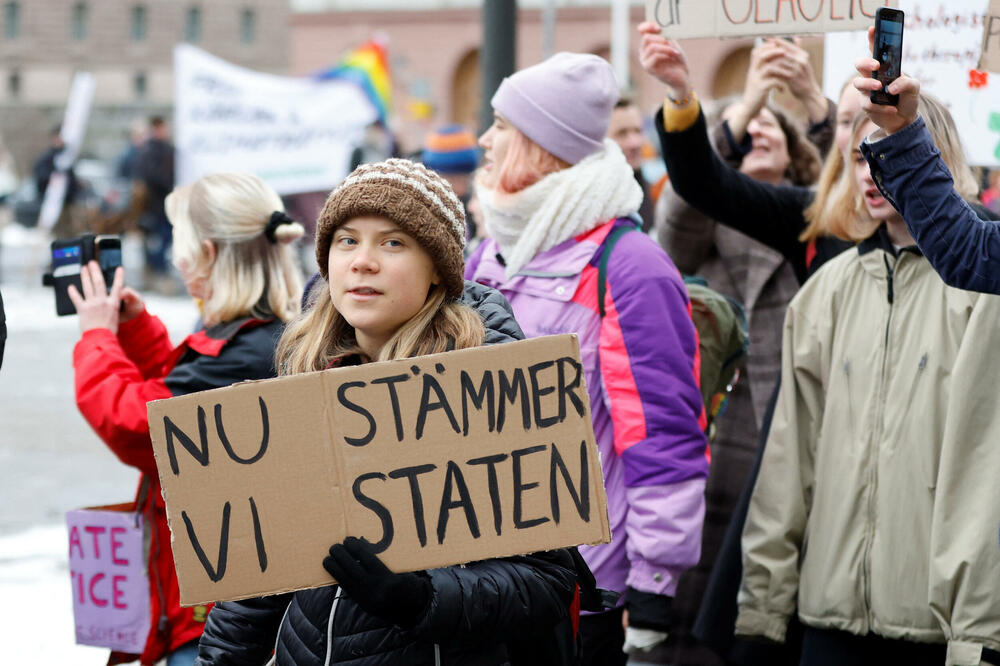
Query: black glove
399	598
647	610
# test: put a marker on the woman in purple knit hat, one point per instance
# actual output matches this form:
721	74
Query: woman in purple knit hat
559	204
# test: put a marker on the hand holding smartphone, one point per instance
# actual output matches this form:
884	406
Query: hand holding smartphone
888	50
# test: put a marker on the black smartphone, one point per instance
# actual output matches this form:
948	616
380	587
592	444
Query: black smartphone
68	258
888	50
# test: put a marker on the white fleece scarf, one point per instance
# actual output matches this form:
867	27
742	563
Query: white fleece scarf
566	203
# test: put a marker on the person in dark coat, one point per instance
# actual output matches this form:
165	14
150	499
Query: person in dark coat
155	168
389	247
3	330
124	357
626	130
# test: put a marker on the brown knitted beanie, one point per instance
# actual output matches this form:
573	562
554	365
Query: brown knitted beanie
414	197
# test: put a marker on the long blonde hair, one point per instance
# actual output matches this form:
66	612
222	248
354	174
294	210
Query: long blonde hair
321	335
249	273
833	181
849	219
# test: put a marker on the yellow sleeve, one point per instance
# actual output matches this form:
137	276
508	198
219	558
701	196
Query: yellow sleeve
677	118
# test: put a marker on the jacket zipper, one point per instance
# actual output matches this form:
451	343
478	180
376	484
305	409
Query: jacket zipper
329	626
876	439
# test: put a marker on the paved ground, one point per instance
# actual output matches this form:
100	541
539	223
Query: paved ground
51	460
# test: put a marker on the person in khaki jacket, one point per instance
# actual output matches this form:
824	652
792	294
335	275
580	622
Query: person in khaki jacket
965	555
842	519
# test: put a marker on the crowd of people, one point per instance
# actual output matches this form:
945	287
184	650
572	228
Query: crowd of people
840	509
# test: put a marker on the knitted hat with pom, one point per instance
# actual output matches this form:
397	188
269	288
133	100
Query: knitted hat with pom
411	195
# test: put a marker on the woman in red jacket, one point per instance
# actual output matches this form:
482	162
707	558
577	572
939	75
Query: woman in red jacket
231	247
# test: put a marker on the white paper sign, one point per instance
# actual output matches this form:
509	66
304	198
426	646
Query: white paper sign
295	133
682	19
941	46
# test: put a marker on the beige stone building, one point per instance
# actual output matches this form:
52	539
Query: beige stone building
434	51
128	46
433	47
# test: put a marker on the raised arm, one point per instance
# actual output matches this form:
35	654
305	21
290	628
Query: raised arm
907	168
770	214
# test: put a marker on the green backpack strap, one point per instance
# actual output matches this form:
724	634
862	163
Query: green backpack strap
602	267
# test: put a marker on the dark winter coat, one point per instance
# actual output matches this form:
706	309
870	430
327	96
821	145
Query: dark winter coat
961	241
491	612
155	167
115	376
771	214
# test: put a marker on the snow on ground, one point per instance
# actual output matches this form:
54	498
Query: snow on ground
37	611
51	459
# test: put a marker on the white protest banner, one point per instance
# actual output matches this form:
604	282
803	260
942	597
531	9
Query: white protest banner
681	19
295	133
989	60
72	131
941	47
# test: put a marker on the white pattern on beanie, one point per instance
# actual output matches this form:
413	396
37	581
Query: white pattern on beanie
416	176
561	205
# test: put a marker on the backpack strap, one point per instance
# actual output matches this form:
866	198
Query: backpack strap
602	267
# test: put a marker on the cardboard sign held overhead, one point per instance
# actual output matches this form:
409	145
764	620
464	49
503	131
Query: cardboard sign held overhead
989	60
437	460
681	19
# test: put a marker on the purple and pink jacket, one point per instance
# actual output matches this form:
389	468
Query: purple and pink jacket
641	363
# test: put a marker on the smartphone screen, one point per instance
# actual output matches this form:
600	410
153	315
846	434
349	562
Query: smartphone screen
888	50
109	254
66	261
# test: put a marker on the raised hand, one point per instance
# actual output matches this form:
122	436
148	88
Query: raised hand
889	118
664	59
800	78
97	307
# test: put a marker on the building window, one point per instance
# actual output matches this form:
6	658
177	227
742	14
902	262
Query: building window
14	84
78	23
248	26
11	20
192	25
139	86
139	23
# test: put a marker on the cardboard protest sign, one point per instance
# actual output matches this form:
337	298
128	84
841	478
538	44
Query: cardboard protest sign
437	460
108	575
295	133
989	60
942	42
681	19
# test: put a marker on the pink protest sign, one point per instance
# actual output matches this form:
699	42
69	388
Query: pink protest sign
108	576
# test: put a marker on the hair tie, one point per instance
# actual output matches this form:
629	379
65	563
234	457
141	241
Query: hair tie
277	219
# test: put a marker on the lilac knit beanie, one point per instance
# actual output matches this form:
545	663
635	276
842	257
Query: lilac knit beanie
563	104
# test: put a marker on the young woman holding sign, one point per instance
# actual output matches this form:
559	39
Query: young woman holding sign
389	247
231	247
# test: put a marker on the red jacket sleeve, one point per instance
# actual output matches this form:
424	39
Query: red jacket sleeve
112	395
145	341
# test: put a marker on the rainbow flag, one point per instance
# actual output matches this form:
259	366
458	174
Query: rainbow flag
367	66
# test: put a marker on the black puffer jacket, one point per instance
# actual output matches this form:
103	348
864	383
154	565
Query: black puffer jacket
491	612
482	614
